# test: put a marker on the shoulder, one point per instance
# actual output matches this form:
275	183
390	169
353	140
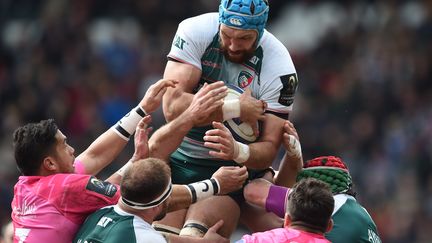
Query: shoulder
145	233
267	236
61	180
276	57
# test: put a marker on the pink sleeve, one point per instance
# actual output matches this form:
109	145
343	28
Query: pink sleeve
79	167
77	196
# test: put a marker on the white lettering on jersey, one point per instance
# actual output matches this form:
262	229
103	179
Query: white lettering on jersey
21	234
373	238
254	60
104	221
25	209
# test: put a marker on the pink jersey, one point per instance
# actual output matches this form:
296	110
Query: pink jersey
52	208
284	235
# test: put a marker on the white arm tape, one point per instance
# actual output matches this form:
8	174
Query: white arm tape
122	170
203	189
127	125
231	109
294	147
243	152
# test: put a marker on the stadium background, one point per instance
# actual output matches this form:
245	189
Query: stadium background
365	70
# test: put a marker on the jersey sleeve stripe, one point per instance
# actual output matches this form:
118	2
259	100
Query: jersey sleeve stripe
283	115
177	59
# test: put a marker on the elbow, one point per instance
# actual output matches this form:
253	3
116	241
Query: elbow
169	104
153	152
169	114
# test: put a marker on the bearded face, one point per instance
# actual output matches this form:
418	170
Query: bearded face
163	212
237	45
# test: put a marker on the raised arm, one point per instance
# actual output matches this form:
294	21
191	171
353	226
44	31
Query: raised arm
177	100
141	148
107	146
225	180
292	161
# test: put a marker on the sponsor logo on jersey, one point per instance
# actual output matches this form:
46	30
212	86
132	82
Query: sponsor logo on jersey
289	87
25	209
244	79
236	21
254	60
211	64
179	42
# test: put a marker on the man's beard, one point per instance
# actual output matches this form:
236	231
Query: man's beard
163	213
243	57
160	216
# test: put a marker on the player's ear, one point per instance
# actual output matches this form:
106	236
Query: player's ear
49	164
329	225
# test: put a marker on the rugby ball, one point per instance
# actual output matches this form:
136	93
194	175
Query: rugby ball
241	131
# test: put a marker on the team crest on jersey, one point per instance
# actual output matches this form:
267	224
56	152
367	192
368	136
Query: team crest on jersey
244	79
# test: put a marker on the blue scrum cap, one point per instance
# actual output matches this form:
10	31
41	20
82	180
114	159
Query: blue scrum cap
244	14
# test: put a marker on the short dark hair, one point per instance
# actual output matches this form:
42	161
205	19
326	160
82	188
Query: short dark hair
311	204
145	180
32	143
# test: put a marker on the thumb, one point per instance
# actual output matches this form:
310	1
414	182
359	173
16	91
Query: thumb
219	125
216	226
255	129
248	91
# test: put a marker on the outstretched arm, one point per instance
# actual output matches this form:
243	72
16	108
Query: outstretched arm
292	161
141	148
225	180
273	197
107	146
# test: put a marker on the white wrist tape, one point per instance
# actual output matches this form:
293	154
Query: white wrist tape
122	170
294	147
127	125
242	152
231	109
203	189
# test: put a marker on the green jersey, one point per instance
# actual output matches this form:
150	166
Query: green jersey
113	225
352	223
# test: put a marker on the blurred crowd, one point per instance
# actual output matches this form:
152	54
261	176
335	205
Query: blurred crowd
365	94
